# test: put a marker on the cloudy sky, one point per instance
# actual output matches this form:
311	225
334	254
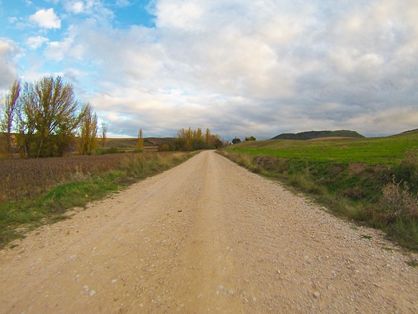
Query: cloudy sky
238	67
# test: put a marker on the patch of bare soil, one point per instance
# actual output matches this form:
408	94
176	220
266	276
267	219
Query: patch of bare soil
356	168
206	236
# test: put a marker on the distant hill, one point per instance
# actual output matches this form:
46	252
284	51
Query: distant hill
317	134
410	131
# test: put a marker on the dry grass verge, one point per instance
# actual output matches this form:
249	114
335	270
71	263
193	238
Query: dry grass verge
42	191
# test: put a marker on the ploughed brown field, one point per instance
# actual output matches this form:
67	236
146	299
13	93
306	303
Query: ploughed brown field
24	177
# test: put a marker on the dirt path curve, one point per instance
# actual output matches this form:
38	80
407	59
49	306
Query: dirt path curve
206	236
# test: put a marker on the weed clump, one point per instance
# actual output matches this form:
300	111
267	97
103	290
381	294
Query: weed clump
407	170
397	201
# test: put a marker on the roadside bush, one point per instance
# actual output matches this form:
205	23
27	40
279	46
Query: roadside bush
407	170
398	199
199	144
397	202
306	184
164	148
111	150
248	162
406	232
268	163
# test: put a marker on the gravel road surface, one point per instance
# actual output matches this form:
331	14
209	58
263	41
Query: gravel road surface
206	236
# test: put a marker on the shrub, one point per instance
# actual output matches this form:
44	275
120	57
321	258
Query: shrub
164	148
111	150
397	202
407	170
303	182
268	163
236	140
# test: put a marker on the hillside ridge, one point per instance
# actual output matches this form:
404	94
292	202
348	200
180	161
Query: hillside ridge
308	135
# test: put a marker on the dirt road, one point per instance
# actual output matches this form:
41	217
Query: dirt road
207	236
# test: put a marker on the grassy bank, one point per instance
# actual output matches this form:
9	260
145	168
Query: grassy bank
372	151
372	181
70	186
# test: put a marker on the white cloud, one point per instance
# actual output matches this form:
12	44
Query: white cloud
9	51
75	7
248	67
59	51
46	19
36	42
270	65
123	3
180	14
95	9
130	55
390	121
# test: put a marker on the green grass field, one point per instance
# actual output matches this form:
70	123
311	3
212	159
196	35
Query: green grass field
373	151
371	180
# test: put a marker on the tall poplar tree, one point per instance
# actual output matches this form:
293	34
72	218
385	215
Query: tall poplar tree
9	115
104	134
88	132
140	143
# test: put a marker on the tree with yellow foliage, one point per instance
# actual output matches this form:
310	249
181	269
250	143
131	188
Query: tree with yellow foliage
88	132
8	117
104	134
140	143
48	118
188	140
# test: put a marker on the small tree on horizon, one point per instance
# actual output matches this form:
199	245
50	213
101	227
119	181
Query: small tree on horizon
236	140
140	143
104	134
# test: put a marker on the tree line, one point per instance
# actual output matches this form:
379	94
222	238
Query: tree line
189	140
43	119
237	140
